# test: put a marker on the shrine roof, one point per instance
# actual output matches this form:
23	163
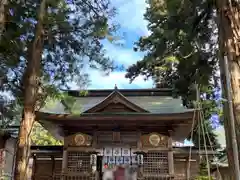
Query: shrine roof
125	92
122	109
157	101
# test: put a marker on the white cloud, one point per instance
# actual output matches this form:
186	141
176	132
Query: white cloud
130	15
130	18
100	81
121	55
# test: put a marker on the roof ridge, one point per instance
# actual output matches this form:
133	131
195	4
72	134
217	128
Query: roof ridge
125	92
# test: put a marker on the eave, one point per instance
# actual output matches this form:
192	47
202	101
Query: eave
118	116
179	123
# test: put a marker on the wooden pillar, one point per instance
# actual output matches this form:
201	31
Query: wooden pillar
190	164
34	167
187	170
170	154
139	148
64	161
53	166
139	142
64	157
95	139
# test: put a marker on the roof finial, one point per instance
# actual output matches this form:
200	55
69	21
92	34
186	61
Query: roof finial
115	87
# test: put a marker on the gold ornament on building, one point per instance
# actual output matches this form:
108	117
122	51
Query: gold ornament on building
154	139
79	139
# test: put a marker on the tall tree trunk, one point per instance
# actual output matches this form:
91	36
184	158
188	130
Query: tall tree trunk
229	37
31	84
3	3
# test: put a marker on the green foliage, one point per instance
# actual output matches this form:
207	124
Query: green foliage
41	136
72	34
73	31
203	172
204	178
83	93
10	113
180	51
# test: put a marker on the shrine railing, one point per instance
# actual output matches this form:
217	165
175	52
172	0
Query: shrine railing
155	166
78	167
78	162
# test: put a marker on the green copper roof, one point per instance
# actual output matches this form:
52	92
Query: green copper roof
153	104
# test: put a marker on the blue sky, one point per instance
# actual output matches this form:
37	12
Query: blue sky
130	18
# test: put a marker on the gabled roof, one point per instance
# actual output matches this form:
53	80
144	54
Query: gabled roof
157	101
148	110
114	101
125	92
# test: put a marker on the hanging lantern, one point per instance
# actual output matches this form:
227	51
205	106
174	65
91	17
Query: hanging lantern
93	159
140	159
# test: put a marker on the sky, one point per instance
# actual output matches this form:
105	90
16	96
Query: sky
132	28
130	17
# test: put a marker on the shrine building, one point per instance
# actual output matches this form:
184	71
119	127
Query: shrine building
142	128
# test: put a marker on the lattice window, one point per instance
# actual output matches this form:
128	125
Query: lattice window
78	162
57	170
78	177
155	163
57	177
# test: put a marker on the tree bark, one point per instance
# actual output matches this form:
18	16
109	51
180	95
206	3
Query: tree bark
3	3
31	85
229	37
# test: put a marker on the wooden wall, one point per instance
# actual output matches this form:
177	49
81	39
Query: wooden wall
181	168
51	169
47	169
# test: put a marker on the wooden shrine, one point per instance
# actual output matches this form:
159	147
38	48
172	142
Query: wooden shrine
107	128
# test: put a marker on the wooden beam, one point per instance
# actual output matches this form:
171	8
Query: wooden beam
114	116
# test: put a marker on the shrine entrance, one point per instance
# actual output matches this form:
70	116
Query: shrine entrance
117	130
115	156
110	158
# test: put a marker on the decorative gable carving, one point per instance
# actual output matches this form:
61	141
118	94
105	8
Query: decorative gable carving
78	139
118	107
116	102
154	140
